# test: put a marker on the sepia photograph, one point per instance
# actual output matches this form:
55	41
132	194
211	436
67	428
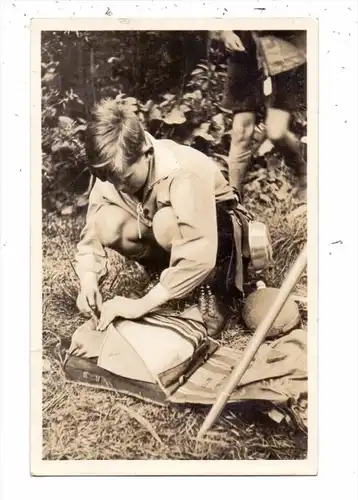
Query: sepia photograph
175	302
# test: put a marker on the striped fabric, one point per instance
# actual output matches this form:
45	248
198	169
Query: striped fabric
277	373
188	329
167	343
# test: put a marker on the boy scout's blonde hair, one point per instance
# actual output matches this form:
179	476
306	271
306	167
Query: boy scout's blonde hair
117	134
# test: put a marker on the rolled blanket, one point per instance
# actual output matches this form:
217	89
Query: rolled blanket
167	358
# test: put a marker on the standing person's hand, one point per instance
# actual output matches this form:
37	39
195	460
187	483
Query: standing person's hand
89	300
232	42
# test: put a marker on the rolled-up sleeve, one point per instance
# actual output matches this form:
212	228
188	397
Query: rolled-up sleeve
91	255
193	254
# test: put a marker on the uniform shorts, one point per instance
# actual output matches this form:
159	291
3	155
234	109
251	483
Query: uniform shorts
243	90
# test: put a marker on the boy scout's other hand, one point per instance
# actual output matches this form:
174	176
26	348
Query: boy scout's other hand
89	299
232	42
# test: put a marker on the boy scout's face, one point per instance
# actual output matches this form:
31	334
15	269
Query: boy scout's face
132	179
134	176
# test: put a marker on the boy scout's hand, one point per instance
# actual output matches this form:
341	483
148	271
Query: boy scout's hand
122	307
232	42
89	299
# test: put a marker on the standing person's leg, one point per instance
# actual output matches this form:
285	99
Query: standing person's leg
243	96
240	153
288	94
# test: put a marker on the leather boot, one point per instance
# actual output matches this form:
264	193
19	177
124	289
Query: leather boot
214	312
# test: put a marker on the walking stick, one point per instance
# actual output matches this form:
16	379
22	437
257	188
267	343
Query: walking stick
257	339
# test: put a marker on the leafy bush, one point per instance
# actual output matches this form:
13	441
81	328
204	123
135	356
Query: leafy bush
193	117
187	110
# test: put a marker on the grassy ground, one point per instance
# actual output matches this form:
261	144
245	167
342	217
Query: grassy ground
88	424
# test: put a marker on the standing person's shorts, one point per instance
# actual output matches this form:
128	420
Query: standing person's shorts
244	83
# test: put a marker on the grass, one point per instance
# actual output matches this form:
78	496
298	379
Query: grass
80	423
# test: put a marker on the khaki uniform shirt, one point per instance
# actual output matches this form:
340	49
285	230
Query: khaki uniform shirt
188	181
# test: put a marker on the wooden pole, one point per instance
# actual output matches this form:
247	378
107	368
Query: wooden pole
257	339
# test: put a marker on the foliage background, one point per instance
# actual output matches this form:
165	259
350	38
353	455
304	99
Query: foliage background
175	83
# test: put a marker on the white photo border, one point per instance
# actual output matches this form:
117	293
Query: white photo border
337	244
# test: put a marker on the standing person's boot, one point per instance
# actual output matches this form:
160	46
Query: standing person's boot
301	191
289	147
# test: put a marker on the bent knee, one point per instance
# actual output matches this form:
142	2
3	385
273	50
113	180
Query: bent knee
165	227
109	224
